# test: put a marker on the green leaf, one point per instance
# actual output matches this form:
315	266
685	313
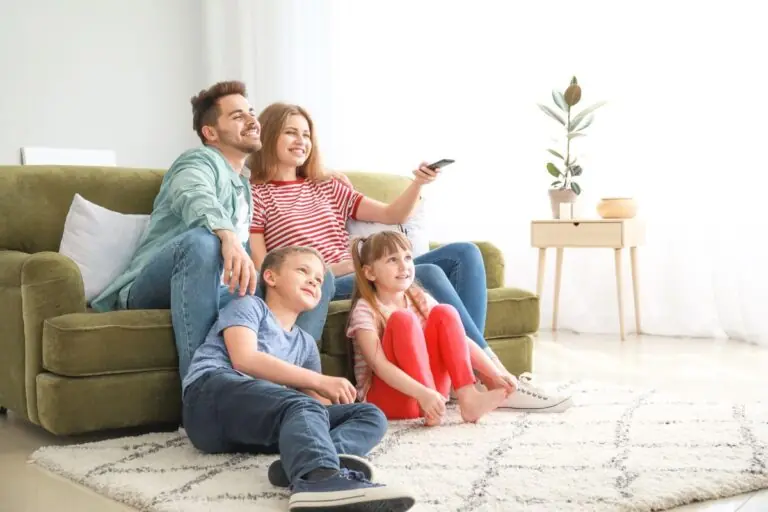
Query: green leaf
576	134
558	155
556	183
551	113
576	188
553	170
584	113
559	99
582	127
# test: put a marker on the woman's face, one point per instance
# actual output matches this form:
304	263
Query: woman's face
294	143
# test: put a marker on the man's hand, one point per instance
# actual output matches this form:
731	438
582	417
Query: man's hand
339	176
238	266
337	389
424	175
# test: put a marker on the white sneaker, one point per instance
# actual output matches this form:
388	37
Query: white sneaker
529	398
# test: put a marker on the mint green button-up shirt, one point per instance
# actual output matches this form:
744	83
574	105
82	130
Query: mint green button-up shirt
199	190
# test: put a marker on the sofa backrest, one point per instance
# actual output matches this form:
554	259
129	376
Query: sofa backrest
34	200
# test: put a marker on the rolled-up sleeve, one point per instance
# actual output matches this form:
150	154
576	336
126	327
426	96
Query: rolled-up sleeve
193	198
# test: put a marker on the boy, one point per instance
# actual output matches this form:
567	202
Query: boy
255	385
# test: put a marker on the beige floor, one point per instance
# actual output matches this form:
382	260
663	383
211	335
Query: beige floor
729	370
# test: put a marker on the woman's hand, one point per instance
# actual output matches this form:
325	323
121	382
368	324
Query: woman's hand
424	175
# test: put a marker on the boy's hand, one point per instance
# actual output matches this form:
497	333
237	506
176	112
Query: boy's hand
337	389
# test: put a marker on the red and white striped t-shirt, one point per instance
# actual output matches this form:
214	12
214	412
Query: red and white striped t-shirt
362	317
307	213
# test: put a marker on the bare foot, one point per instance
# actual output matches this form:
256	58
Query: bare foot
475	404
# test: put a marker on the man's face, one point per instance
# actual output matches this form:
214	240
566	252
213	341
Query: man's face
236	127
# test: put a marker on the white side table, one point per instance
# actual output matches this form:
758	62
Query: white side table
591	233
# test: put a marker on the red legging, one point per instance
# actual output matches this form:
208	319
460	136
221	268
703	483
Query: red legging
436	356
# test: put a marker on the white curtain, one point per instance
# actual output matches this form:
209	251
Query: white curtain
393	83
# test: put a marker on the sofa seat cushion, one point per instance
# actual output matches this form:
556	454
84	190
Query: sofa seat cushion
512	312
87	344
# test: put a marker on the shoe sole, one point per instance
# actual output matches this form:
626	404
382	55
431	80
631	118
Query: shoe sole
363	500
558	407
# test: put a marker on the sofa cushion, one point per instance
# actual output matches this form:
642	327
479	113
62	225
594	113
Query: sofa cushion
86	344
511	313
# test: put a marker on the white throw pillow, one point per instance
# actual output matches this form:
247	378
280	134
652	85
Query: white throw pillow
101	242
415	228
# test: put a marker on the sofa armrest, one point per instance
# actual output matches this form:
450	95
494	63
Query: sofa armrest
493	259
33	288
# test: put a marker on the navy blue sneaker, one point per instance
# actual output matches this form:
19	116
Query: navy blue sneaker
278	478
348	491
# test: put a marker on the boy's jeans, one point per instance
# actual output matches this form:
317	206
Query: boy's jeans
225	411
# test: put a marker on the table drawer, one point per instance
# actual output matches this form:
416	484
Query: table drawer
577	234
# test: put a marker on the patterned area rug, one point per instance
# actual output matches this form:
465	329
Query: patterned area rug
616	449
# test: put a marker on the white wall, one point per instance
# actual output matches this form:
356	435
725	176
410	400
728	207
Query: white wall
103	74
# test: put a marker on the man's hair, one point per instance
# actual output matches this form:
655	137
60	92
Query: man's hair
205	106
276	257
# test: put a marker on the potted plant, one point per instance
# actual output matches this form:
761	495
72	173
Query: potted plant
565	189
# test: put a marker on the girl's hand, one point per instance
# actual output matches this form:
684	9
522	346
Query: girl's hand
432	403
424	174
504	380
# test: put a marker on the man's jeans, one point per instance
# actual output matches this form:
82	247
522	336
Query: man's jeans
226	412
185	277
453	274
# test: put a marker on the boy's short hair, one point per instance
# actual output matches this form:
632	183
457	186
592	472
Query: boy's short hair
276	257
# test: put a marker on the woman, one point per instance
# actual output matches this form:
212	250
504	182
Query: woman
297	203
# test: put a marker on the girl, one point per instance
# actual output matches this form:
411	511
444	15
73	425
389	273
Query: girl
408	349
297	203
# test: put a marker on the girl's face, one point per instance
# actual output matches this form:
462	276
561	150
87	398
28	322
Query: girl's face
394	272
295	142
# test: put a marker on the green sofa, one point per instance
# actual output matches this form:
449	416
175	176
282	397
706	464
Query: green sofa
71	370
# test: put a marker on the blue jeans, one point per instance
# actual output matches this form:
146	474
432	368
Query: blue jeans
453	274
185	277
226	412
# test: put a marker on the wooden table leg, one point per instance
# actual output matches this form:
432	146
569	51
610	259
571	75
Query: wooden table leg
635	288
542	269
618	291
558	277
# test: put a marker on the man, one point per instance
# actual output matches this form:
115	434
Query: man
199	224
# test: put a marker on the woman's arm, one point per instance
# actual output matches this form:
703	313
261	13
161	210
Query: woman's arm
258	249
370	347
401	208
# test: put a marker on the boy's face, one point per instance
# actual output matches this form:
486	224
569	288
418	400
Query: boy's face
298	281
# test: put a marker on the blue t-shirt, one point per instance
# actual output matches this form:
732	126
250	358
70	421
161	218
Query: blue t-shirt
296	346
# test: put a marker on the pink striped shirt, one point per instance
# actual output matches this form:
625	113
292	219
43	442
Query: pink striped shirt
362	317
307	213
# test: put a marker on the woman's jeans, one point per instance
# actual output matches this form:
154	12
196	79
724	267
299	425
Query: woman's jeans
453	274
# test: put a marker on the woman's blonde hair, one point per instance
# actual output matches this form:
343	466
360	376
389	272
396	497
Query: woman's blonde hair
365	251
263	164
